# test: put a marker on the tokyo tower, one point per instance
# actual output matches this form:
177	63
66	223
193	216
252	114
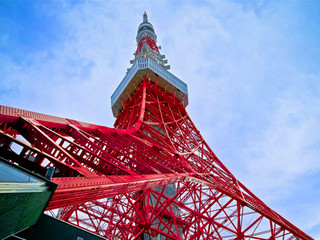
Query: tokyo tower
152	176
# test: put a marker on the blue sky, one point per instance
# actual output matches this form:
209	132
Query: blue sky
252	69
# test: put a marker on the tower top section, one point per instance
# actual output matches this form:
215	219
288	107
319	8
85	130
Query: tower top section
147	44
148	62
146	29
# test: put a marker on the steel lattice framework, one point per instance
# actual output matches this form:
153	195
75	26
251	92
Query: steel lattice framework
152	175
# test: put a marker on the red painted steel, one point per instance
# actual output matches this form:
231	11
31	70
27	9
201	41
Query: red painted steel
115	182
151	43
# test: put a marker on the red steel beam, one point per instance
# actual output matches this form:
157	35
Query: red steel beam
78	190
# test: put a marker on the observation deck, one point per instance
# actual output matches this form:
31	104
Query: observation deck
141	68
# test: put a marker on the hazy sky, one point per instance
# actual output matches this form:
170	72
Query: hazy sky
252	69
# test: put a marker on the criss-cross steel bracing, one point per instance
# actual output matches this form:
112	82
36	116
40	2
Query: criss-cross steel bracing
153	176
112	181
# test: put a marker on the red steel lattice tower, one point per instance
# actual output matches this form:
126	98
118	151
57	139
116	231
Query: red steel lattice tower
153	176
